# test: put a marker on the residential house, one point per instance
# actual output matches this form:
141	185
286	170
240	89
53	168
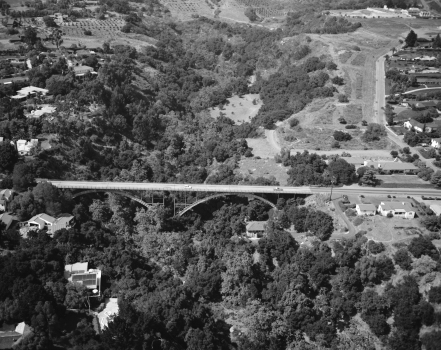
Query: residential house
425	105
365	209
436	208
428	81
356	161
10	221
29	91
400	209
45	110
24	147
419	127
255	229
436	143
82	70
10	335
413	11
425	14
5	197
44	221
80	273
392	167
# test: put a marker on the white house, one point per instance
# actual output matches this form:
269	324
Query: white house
400	209
436	208
82	70
29	91
81	274
24	147
436	143
255	229
365	209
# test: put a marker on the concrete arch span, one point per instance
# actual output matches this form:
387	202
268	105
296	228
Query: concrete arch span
206	199
121	193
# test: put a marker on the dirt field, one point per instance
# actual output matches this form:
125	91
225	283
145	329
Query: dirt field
240	109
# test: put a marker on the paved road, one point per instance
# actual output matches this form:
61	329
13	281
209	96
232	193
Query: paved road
380	116
133	186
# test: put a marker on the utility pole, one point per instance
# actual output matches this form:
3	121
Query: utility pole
333	181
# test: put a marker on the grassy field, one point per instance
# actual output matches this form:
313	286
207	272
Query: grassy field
240	109
265	168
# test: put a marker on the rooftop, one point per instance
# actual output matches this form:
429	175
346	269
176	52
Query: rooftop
367	207
256	226
396	206
354	160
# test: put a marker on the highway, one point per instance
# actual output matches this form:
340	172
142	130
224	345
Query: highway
146	186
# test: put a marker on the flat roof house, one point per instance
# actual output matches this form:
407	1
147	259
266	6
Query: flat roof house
365	209
400	209
255	229
356	161
80	273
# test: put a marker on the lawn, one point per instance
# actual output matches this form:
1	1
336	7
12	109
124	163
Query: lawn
390	230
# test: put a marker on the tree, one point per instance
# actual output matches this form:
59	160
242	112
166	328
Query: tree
394	154
341	136
22	176
30	36
59	84
424	265
338	80
402	259
437	42
368	178
431	340
411	39
435	295
423	246
49	21
56	37
293	122
8	156
320	224
251	14
436	178
342	171
373	132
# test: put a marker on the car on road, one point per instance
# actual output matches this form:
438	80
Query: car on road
278	189
187	186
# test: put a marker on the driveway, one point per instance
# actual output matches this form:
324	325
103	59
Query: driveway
348	223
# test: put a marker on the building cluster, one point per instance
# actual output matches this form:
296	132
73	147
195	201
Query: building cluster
391	209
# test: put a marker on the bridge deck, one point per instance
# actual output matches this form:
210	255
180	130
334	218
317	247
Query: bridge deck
133	186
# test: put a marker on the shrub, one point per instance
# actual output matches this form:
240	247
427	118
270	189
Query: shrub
358	221
87	32
351	126
293	122
342	98
335	144
356	48
342	120
341	136
338	80
375	247
435	295
390	215
290	138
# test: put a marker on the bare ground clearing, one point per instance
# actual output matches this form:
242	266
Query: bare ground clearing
239	109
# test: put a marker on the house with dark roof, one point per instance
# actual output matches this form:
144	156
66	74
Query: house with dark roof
400	209
420	127
392	167
10	221
82	70
44	221
255	229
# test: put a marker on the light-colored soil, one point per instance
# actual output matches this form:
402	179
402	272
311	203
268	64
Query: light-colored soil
265	168
239	109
